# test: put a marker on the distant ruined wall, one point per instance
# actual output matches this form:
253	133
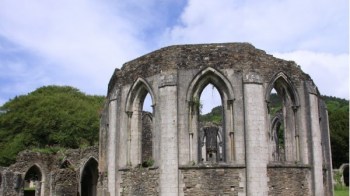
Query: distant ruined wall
60	173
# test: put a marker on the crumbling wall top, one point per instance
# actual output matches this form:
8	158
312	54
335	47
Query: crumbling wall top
238	56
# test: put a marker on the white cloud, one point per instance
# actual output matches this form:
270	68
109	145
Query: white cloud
286	25
330	72
312	33
80	43
78	40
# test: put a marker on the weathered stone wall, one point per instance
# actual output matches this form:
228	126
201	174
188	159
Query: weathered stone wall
139	181
11	183
175	77
212	181
65	182
147	138
60	172
243	56
289	181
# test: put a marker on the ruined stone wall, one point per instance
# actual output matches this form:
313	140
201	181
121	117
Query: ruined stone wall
139	181
147	139
212	181
289	181
11	183
175	77
65	182
60	172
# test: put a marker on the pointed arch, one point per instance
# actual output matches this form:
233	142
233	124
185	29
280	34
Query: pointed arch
138	90
277	138
289	114
89	177
134	102
204	77
34	180
281	82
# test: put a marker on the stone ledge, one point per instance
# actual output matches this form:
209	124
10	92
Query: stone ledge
218	166
288	165
132	168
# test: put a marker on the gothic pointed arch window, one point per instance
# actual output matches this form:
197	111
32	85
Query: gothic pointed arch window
139	109
146	133
89	177
33	181
282	102
210	126
211	141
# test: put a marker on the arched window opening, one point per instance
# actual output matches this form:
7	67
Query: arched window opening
32	181
210	126
147	104
146	132
89	178
277	127
282	105
139	103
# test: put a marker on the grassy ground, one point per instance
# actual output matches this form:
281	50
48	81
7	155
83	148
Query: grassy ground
341	191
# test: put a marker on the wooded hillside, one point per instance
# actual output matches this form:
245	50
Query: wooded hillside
51	117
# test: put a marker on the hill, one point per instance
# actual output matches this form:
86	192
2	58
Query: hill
50	117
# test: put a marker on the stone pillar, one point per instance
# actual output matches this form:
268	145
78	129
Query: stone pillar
316	145
256	138
112	145
168	138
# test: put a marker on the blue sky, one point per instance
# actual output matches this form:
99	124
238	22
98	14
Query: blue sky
79	43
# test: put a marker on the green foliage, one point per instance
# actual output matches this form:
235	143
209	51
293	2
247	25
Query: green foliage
197	104
215	116
51	116
337	178
275	104
148	163
338	115
49	150
341	191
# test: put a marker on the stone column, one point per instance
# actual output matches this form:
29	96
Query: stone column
316	145
167	110
112	145
256	138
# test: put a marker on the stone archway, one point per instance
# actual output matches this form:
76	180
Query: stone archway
32	181
344	169
89	178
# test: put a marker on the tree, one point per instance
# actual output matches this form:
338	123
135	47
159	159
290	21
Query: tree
50	116
338	114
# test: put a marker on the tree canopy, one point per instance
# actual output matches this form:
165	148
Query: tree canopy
338	115
49	116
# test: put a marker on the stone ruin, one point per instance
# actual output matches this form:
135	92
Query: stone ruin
69	173
252	152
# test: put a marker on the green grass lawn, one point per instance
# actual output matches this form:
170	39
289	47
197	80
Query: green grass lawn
341	192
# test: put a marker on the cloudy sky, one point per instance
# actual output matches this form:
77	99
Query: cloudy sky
79	43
